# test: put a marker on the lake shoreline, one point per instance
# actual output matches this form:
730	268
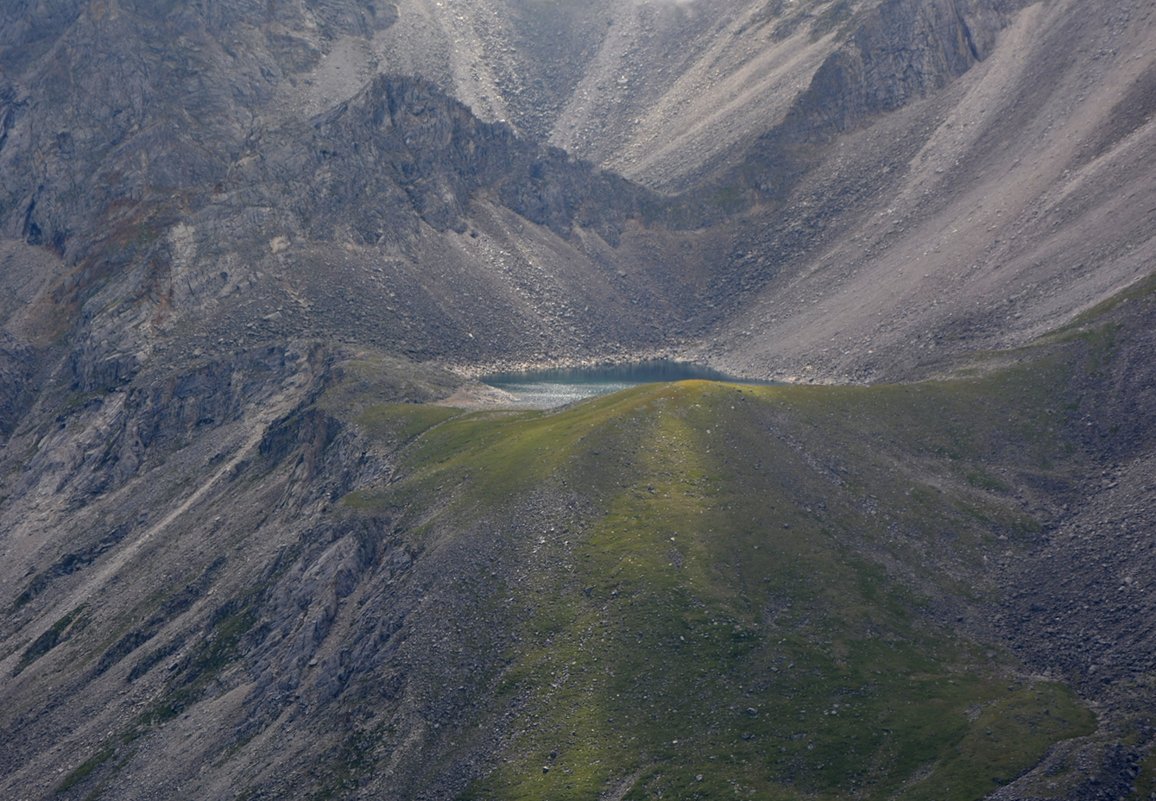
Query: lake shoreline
554	387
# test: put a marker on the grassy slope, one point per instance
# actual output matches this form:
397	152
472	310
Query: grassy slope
760	595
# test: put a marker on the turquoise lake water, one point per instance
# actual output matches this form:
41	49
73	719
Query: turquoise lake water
549	388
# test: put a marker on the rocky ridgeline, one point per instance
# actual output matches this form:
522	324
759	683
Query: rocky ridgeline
402	133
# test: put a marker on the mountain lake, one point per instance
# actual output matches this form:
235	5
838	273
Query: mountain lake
556	386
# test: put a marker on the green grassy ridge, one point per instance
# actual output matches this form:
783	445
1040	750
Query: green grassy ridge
754	550
1142	290
727	565
779	549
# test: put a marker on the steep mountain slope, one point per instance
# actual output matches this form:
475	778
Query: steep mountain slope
909	171
794	590
979	217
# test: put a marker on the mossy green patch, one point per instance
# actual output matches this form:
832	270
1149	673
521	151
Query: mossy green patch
399	423
373	378
219	648
85	769
492	456
1145	787
1008	736
60	631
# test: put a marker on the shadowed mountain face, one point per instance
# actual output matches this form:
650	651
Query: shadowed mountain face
244	248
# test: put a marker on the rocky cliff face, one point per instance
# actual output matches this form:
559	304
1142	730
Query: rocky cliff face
899	53
206	233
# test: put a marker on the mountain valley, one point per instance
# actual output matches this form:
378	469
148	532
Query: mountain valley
256	545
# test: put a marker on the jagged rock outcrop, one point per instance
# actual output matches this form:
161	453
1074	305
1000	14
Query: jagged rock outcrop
18	369
900	52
